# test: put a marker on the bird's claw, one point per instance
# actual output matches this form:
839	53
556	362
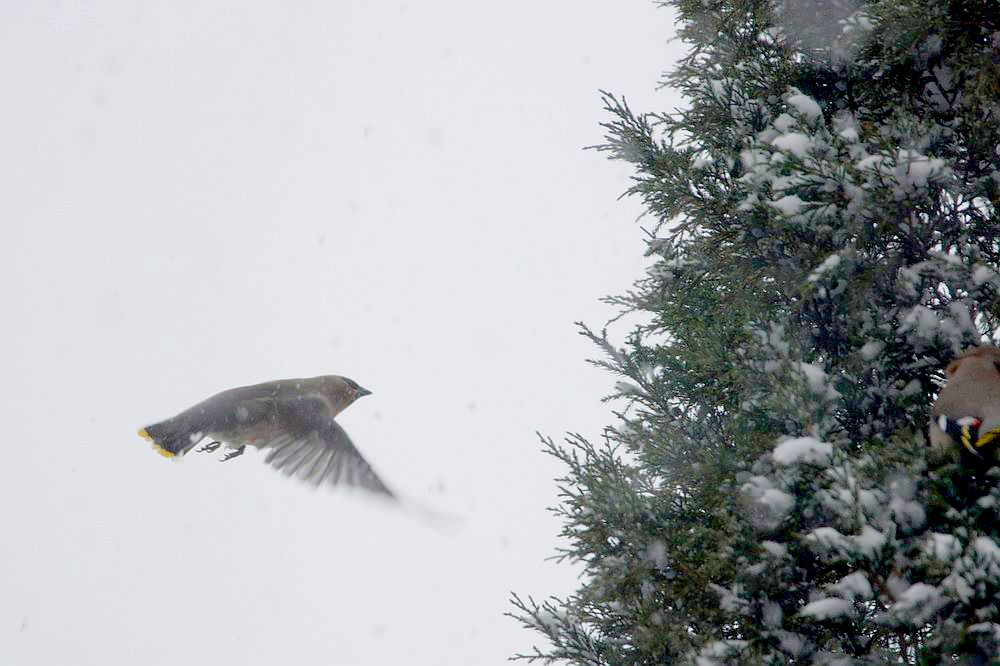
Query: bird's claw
233	454
208	448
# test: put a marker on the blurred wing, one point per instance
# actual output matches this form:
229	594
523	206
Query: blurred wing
324	455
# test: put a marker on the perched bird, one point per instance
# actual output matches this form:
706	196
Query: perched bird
967	411
291	418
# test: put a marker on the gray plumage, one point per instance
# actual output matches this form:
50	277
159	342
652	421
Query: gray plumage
292	418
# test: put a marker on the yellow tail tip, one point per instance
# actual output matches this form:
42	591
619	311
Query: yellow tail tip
156	447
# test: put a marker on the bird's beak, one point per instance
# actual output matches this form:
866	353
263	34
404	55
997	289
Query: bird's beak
361	392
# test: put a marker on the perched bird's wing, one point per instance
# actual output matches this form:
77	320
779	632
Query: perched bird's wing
316	449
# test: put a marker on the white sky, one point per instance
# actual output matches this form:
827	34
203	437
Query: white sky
201	195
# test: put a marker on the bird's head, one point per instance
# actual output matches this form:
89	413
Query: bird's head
979	358
359	391
342	390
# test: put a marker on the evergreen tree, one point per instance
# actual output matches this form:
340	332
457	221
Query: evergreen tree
826	239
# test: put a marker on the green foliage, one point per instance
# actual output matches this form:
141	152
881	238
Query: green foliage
826	238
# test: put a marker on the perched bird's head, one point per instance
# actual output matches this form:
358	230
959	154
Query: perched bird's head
977	360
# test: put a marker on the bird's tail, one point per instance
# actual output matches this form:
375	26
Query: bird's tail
170	438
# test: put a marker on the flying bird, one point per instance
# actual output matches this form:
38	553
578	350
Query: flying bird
293	419
967	411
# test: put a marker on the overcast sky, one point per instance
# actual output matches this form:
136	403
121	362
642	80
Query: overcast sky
201	195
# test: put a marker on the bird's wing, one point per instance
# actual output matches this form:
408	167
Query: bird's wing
323	453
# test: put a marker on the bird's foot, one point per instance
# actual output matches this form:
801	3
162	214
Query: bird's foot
233	454
208	448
